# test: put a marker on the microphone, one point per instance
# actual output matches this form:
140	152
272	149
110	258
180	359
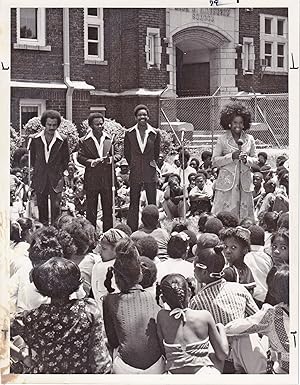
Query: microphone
113	138
182	133
240	143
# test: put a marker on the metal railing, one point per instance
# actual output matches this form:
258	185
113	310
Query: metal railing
270	117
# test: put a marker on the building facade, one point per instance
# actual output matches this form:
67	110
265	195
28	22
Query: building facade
81	60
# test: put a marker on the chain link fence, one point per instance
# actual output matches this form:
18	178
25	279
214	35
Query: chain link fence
270	118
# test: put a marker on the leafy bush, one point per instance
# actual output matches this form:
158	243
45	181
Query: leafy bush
167	143
66	127
15	142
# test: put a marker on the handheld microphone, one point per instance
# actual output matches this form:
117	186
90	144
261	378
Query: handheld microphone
113	138
240	143
182	133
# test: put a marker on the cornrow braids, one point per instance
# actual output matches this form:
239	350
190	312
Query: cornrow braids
108	279
175	288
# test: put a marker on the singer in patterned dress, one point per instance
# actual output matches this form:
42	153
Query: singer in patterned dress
234	155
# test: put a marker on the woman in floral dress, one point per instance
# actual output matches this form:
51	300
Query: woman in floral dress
234	155
65	336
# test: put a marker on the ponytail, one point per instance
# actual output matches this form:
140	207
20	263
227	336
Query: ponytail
108	279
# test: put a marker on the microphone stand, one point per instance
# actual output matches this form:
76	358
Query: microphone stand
183	175
113	186
29	178
240	143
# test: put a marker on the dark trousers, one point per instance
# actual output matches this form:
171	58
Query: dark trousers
135	192
106	203
42	203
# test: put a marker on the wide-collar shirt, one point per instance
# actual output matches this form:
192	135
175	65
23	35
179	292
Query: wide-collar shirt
47	149
142	143
99	145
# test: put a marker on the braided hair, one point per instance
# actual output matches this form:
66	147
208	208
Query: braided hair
127	266
174	288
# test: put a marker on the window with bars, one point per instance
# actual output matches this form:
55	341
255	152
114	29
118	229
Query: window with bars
94	39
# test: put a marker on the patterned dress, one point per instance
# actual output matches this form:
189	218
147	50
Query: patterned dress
272	322
234	187
65	339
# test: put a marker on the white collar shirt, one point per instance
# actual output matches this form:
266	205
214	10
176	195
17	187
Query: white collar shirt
99	145
47	149
143	143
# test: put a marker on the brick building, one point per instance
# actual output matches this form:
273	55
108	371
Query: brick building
80	60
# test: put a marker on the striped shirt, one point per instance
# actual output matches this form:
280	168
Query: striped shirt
226	301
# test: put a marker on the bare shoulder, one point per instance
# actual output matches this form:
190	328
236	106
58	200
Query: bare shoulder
162	315
203	314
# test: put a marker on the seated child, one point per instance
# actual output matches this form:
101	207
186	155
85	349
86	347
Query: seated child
200	195
192	181
79	199
213	226
236	245
268	221
280	255
206	159
270	321
106	249
227	301
259	263
185	334
177	252
149	272
147	246
228	219
173	203
266	199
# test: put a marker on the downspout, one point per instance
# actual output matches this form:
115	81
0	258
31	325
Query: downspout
66	50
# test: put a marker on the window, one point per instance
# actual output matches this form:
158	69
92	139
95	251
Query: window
153	48
94	40
280	26
268	28
280	55
274	43
248	55
31	27
29	108
268	54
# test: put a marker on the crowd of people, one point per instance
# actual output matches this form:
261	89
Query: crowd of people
149	292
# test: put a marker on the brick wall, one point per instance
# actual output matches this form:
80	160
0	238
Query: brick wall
124	51
152	77
129	49
249	26
39	65
55	99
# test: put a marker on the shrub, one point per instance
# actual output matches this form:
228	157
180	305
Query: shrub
66	128
15	142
